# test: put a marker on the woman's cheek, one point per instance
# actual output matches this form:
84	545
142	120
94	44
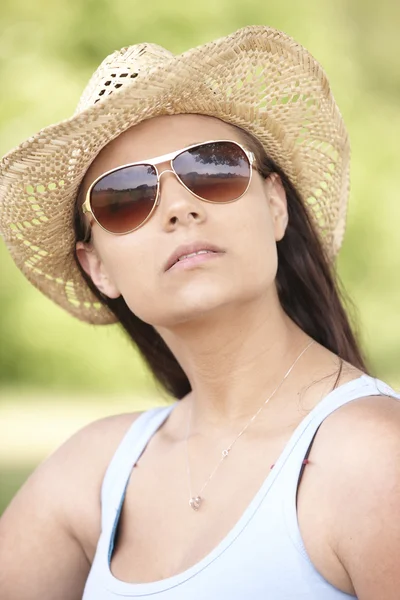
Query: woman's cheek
138	288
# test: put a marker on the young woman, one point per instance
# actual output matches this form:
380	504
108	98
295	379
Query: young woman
200	201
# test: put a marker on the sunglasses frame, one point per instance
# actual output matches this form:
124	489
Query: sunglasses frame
153	162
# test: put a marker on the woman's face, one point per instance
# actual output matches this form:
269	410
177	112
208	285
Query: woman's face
245	232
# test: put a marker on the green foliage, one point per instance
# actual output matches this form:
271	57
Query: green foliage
11	480
49	49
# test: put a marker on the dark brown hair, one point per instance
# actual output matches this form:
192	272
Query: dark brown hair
308	289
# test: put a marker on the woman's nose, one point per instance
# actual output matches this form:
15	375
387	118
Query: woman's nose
177	205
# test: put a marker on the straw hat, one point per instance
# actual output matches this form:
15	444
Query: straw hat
257	78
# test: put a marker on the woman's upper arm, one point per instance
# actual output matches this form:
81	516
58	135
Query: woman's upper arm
366	499
50	528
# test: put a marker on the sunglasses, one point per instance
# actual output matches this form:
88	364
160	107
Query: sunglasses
123	199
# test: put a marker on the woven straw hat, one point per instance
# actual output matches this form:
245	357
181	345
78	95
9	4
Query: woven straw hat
257	78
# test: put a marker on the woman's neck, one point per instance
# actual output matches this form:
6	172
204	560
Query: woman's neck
233	360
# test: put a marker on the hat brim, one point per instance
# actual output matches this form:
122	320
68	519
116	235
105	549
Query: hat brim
257	78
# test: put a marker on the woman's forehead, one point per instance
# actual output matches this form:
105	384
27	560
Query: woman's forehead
181	129
158	136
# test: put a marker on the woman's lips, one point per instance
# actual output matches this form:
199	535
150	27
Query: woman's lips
191	248
189	262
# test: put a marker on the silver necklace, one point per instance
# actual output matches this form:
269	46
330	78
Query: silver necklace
196	501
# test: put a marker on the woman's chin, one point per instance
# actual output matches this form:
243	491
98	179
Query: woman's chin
186	312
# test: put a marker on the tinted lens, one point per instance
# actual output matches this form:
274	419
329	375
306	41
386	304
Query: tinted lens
123	199
218	172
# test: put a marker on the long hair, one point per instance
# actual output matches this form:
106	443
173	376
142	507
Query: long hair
308	288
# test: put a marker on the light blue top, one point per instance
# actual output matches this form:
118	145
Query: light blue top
263	556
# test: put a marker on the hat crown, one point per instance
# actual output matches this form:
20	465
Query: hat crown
119	68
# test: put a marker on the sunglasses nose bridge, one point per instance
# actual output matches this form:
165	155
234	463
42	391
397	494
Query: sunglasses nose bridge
160	173
165	171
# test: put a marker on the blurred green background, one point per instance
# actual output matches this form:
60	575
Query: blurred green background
55	370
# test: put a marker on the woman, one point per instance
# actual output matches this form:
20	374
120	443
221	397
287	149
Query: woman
200	200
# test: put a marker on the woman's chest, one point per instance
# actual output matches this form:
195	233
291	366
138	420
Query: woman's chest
159	535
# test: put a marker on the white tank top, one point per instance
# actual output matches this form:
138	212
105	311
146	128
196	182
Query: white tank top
263	555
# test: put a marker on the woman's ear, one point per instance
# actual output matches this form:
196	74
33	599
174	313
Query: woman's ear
277	200
91	263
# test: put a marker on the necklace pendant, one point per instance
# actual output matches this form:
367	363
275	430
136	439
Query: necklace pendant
195	502
225	453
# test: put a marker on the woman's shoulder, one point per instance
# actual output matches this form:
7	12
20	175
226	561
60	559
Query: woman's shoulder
52	525
361	455
353	428
107	431
71	477
94	444
378	407
83	460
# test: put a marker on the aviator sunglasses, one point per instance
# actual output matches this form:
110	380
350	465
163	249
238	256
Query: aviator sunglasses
123	199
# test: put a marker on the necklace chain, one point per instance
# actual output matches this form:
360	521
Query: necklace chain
195	501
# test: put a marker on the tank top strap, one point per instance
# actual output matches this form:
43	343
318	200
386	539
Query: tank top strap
292	468
130	448
353	390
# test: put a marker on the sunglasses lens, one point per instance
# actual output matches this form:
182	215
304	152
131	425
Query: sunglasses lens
218	171
123	199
